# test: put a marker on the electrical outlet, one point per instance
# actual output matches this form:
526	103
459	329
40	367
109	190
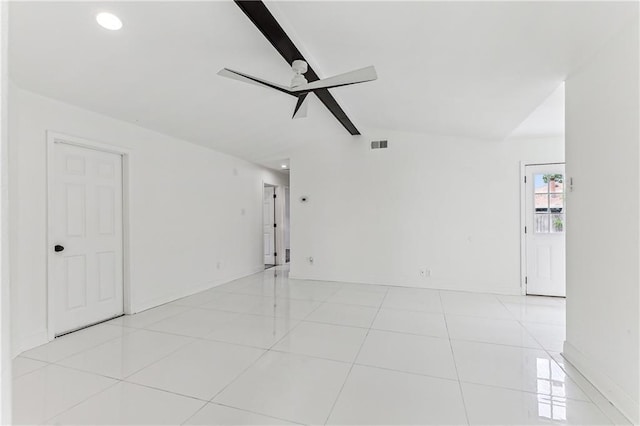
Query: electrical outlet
424	273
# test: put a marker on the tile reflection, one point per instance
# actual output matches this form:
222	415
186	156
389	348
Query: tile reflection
550	381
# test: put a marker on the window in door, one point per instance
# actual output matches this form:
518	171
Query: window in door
549	203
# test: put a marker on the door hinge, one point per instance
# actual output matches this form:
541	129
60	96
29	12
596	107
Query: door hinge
525	229
275	254
274	195
525	179
526	280
275	225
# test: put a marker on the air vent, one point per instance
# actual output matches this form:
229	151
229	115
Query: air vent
378	144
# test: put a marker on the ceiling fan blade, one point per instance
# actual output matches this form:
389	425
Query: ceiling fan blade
301	107
236	75
352	77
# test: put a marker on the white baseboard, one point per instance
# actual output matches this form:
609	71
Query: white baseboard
593	372
30	342
148	304
42	337
511	291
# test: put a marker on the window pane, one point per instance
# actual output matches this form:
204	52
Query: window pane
556	203
556	183
557	223
540	184
541	223
541	203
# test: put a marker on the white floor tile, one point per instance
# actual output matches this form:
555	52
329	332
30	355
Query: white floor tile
474	304
22	366
408	352
145	318
302	290
529	370
329	341
537	313
74	343
373	396
242	303
122	357
504	332
253	330
550	336
194	322
596	397
534	300
176	357
492	406
288	308
341	314
357	297
50	390
292	387
199	299
199	370
413	299
129	404
414	322
215	414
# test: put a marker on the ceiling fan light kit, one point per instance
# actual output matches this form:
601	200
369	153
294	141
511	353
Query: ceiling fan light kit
300	86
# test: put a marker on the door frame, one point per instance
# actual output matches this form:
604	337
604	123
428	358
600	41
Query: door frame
523	219
54	138
278	218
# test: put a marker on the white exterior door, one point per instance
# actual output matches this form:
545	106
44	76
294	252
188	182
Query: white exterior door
86	279
545	229
268	219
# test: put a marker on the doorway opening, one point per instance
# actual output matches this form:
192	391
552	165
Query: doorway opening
269	225
287	225
544	254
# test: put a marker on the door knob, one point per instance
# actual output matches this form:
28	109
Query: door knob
58	248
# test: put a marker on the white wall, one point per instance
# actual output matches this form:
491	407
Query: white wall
5	314
603	158
378	216
190	208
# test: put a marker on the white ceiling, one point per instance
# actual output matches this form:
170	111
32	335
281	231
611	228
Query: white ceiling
473	69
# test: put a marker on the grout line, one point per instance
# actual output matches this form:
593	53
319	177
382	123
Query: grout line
455	363
84	400
346	378
246	411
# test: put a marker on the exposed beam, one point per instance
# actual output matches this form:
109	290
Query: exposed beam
258	13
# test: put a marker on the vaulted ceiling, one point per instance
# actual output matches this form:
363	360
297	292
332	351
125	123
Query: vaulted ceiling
474	69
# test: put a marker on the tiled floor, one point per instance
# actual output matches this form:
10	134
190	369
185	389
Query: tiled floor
267	350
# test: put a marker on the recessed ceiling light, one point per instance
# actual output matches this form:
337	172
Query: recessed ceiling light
109	21
284	166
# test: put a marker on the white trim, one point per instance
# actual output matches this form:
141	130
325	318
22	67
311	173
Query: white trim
278	219
592	372
52	139
523	235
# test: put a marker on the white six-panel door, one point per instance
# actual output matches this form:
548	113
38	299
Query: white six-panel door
267	222
545	229
86	248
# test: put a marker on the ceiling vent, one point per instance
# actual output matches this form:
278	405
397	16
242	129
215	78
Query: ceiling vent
378	144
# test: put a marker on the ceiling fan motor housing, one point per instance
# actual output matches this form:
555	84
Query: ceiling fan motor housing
299	67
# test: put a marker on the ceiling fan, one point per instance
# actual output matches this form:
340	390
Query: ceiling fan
300	88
